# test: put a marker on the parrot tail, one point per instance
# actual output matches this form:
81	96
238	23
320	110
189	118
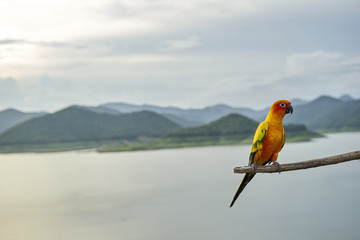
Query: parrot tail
247	178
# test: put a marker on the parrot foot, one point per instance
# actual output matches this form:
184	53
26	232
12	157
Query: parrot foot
278	166
254	167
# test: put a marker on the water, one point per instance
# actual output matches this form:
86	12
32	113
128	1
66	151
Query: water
179	194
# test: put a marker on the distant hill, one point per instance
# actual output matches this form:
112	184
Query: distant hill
218	124
75	124
181	121
328	114
346	97
99	109
324	113
188	117
231	125
236	125
12	117
229	130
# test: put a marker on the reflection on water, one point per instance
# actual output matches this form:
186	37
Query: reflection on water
179	194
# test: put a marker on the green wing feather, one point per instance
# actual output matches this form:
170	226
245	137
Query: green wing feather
258	140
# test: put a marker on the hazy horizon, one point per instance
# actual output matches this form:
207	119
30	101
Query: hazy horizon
164	105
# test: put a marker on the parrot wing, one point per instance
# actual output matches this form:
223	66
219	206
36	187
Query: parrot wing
259	137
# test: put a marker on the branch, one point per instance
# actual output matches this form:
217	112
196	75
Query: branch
302	165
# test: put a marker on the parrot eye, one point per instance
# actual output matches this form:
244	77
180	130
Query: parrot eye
283	105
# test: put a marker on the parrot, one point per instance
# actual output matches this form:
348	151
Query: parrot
268	141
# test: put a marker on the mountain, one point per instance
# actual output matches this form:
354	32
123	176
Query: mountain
76	124
324	113
346	97
237	125
231	125
229	130
12	117
102	122
99	109
181	121
328	114
188	117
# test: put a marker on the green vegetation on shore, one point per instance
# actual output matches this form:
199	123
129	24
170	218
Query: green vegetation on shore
233	129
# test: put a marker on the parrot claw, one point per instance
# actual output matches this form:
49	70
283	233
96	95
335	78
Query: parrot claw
254	167
278	166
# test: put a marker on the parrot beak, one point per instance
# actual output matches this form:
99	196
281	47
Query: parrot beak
289	109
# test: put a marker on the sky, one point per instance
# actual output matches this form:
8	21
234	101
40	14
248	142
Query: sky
183	53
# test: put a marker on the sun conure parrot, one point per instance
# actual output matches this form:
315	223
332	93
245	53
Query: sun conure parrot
268	141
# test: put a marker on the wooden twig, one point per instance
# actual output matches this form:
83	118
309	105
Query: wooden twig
302	165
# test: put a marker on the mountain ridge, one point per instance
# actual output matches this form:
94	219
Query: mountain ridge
11	117
78	124
324	113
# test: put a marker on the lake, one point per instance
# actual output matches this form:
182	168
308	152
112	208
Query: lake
179	194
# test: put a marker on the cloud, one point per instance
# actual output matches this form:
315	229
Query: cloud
60	85
10	93
309	62
45	44
332	73
10	41
199	51
321	62
181	44
159	9
8	84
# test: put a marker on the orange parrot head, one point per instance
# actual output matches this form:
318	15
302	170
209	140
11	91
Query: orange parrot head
281	107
